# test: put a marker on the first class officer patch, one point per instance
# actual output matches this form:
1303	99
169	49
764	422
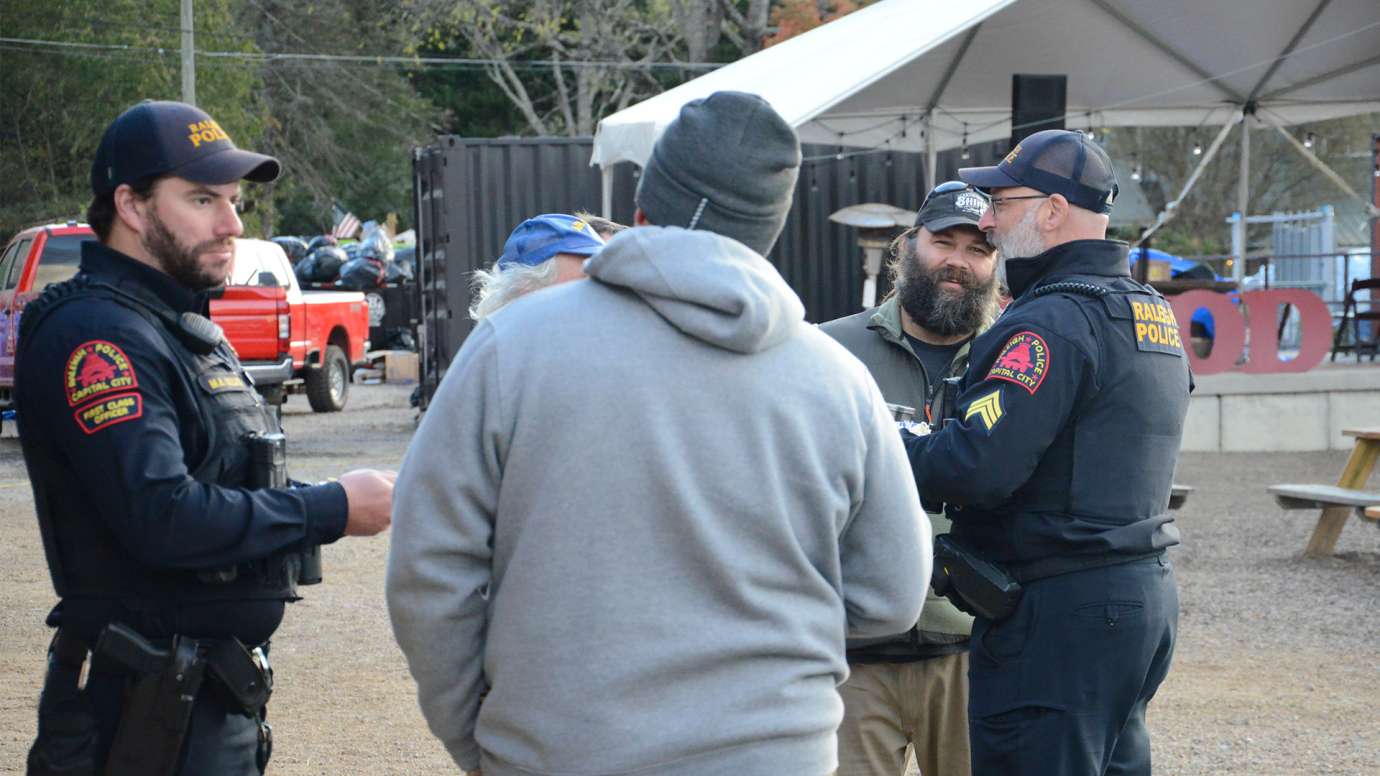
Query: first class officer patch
108	412
1023	361
94	369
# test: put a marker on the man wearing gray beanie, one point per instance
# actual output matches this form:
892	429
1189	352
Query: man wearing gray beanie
643	513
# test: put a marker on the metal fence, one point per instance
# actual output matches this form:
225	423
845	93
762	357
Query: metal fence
471	193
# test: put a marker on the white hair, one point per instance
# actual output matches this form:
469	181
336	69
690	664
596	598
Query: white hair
497	286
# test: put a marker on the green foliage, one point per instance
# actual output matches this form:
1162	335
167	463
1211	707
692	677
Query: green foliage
1280	180
57	102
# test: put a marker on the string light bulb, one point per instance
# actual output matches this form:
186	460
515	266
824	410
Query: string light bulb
1309	139
1197	148
1135	169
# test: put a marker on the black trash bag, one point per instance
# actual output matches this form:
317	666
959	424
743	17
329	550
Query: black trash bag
362	273
306	269
321	241
294	247
400	338
321	265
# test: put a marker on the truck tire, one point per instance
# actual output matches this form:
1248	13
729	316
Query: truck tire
328	386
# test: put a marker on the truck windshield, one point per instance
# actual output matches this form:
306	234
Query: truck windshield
61	256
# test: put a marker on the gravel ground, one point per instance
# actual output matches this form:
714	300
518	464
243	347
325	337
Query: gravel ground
1277	669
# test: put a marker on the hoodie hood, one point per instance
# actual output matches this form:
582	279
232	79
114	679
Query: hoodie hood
709	287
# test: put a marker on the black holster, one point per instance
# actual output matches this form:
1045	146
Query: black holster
158	708
973	585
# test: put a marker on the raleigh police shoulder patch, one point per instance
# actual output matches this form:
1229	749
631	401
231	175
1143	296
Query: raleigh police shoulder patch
108	412
1156	329
96	368
1023	361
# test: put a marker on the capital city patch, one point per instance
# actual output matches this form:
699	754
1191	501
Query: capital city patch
1023	361
1157	331
96	368
108	412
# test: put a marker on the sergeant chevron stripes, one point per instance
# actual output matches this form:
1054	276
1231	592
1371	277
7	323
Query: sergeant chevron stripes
987	408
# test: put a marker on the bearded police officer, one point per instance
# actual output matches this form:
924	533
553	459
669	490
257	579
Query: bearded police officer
1056	473
143	436
911	688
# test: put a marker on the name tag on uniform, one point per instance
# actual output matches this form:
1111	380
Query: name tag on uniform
219	383
1155	327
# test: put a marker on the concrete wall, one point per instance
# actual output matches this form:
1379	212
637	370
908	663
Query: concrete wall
1237	412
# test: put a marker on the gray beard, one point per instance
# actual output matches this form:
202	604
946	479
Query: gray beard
1022	241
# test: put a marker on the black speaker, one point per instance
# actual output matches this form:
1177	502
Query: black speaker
1037	103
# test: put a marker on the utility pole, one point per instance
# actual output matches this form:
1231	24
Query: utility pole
188	55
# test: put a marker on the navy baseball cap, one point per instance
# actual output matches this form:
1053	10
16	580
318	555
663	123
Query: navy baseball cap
538	239
1054	161
950	204
173	138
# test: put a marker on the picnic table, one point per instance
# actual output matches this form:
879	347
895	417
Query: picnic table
1338	502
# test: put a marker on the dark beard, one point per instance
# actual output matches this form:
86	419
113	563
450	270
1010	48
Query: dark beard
940	311
179	262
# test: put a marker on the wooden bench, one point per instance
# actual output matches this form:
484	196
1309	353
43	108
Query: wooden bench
1178	494
1340	501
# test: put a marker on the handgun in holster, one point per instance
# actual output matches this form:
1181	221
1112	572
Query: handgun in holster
974	585
158	707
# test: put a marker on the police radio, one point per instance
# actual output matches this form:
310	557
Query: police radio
268	469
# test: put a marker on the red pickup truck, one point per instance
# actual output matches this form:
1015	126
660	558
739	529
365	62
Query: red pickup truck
287	340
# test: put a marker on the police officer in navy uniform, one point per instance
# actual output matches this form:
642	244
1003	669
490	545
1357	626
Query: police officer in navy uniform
1056	467
137	421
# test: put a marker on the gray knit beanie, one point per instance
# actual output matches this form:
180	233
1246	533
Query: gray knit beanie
728	165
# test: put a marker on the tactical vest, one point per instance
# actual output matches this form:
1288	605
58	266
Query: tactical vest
1130	422
83	565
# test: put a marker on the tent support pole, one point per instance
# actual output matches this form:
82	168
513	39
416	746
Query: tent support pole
931	155
1171	208
1322	166
606	190
1243	197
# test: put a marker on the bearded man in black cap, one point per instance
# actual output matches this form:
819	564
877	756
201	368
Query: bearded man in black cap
150	456
911	688
1055	471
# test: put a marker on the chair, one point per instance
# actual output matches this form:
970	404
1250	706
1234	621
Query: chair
1351	312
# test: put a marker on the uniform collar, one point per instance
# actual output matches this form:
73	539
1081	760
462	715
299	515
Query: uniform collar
1077	257
114	267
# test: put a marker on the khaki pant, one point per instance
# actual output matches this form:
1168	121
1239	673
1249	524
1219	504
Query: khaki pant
889	705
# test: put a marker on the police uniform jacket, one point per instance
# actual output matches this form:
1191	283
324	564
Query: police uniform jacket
1069	417
876	338
135	445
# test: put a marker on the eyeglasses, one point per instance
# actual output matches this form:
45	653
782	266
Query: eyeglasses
998	200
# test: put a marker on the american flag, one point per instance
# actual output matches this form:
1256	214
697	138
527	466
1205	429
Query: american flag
346	224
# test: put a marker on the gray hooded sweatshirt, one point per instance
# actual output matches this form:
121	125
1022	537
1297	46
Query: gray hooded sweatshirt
643	512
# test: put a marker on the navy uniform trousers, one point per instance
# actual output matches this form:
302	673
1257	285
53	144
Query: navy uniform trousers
1060	687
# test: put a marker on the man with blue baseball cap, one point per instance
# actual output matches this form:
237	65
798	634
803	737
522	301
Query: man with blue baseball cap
172	558
543	251
1056	469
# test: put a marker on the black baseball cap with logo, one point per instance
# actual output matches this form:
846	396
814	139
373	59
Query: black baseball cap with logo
173	138
1054	161
950	204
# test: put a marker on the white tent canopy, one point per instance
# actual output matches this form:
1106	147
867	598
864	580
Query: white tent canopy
879	76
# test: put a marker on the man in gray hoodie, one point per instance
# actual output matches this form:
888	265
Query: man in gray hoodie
643	512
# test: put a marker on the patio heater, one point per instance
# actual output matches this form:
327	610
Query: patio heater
876	224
